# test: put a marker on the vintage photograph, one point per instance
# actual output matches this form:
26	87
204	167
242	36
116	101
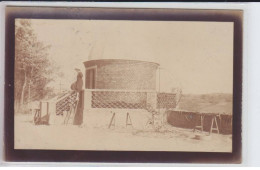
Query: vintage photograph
123	85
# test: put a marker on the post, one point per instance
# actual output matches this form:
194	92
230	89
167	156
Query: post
112	121
159	88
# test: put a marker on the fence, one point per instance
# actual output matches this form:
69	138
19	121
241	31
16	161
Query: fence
185	119
117	99
129	99
63	102
166	100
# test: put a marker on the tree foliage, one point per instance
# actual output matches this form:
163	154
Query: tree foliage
33	69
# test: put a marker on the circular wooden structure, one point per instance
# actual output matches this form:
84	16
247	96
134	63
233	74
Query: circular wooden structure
120	74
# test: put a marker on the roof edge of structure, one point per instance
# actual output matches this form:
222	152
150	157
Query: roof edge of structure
120	60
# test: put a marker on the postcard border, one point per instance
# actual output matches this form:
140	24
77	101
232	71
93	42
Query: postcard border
150	14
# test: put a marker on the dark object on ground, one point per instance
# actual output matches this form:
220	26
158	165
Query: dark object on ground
38	120
191	119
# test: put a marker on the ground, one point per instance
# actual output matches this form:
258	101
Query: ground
70	137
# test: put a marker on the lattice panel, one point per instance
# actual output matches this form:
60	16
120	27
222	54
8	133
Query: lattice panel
120	100
166	100
65	102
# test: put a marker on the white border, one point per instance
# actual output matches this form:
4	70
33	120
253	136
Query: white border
253	77
207	5
241	6
2	77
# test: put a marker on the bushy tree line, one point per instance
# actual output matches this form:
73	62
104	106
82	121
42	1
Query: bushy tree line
33	69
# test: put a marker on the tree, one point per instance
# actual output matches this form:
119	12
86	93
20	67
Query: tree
32	67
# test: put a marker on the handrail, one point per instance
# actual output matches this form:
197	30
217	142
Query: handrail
63	97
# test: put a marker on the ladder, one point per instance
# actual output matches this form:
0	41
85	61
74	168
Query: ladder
112	122
72	111
200	126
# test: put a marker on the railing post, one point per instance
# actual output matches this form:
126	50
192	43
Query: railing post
151	99
87	99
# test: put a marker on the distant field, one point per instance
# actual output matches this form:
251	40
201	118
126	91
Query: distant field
217	103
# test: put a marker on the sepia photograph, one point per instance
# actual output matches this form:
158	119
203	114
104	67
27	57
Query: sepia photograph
123	85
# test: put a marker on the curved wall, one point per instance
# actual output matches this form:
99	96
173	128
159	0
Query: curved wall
123	74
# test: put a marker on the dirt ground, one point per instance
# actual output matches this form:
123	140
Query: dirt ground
69	137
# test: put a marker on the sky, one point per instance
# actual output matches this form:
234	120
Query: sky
194	56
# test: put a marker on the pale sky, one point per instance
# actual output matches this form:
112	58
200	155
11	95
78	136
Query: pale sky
195	56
